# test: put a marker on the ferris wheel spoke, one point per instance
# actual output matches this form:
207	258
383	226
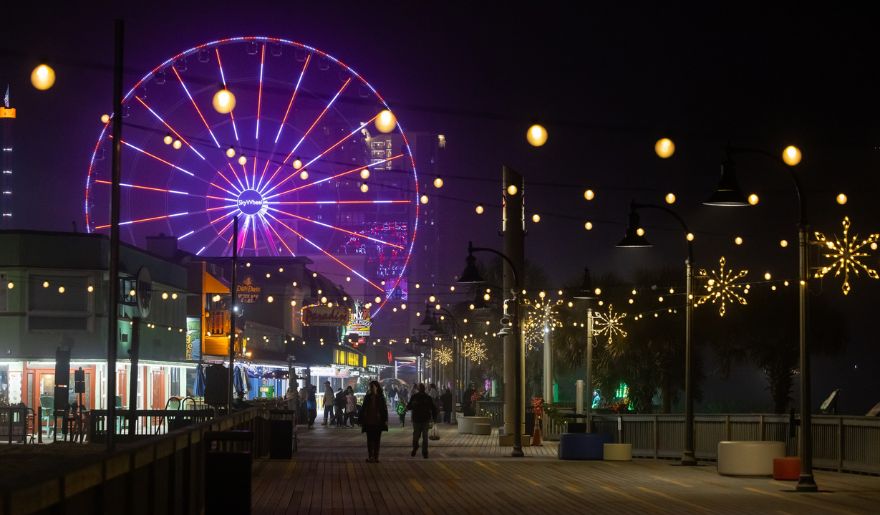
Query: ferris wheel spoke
329	255
208	225
293	97
260	92
334	202
170	128
267	236
254	232
312	126
199	111
223	79
335	228
217	237
342	174
172	165
316	158
280	239
164	190
237	178
156	218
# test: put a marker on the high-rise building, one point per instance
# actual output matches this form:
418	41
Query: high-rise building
7	118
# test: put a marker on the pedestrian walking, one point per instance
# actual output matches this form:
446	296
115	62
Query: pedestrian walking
403	395
395	396
423	414
328	402
339	408
312	405
446	402
374	420
350	407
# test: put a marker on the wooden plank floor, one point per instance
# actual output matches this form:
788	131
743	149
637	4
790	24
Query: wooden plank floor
472	474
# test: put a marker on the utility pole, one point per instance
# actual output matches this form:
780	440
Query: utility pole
513	228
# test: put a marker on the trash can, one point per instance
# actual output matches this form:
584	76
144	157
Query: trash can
228	472
282	434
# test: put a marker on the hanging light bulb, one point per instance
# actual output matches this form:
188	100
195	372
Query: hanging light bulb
177	144
536	218
423	199
754	199
223	101
365	174
364	187
588	226
242	160
480	209
536	135
105	118
386	121
670	198
304	174
791	155
438	183
230	152
43	77
841	198
589	194
168	139
664	148
297	164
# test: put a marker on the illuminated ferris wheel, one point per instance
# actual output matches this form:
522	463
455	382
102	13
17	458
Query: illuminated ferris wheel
310	160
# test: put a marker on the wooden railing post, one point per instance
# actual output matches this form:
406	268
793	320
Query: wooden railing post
656	431
840	444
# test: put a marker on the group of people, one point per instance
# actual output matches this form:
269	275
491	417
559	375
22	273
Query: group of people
374	418
340	408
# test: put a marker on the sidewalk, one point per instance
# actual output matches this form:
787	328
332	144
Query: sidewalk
471	474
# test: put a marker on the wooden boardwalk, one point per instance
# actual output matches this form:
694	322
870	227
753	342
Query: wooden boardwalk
471	474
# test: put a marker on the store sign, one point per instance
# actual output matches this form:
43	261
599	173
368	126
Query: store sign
359	323
248	292
323	316
348	358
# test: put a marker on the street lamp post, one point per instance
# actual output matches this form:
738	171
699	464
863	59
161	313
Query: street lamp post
471	275
635	237
587	293
729	194
232	315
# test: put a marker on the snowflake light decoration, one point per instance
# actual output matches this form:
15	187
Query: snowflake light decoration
609	324
846	254
443	355
474	350
722	287
533	326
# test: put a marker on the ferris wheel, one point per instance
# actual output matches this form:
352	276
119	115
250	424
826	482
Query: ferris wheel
310	160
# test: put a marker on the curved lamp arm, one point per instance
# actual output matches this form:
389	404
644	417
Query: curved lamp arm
802	221
690	247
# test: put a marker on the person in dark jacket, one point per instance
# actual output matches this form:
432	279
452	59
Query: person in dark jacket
374	420
423	414
312	405
339	408
467	401
446	402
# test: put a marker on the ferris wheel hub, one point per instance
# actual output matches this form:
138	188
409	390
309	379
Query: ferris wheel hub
251	202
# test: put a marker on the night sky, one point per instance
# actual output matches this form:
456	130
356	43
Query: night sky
606	83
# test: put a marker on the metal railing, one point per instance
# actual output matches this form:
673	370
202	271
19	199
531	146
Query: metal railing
841	443
162	474
16	423
148	422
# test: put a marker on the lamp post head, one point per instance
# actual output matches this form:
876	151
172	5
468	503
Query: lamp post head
586	291
728	192
634	237
470	275
428	319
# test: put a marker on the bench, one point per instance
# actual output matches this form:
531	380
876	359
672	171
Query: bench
582	446
466	424
748	458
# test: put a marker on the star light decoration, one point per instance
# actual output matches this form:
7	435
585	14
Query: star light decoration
722	287
474	350
845	255
533	326
609	324
443	355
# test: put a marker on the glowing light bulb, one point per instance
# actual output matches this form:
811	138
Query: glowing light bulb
690	236
223	101
270	299
45	284
423	199
841	198
230	152
293	303
536	135
164	295
173	296
640	231
767	276
438	183
598	291
589	194
670	198
177	144
364	187
168	139
365	174
323	300
386	121
783	243
105	118
512	189
297	164
791	155
43	77
61	289
588	226
242	160
132	293
480	209
738	240
90	289
664	148
536	218
378	300
753	199
304	174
